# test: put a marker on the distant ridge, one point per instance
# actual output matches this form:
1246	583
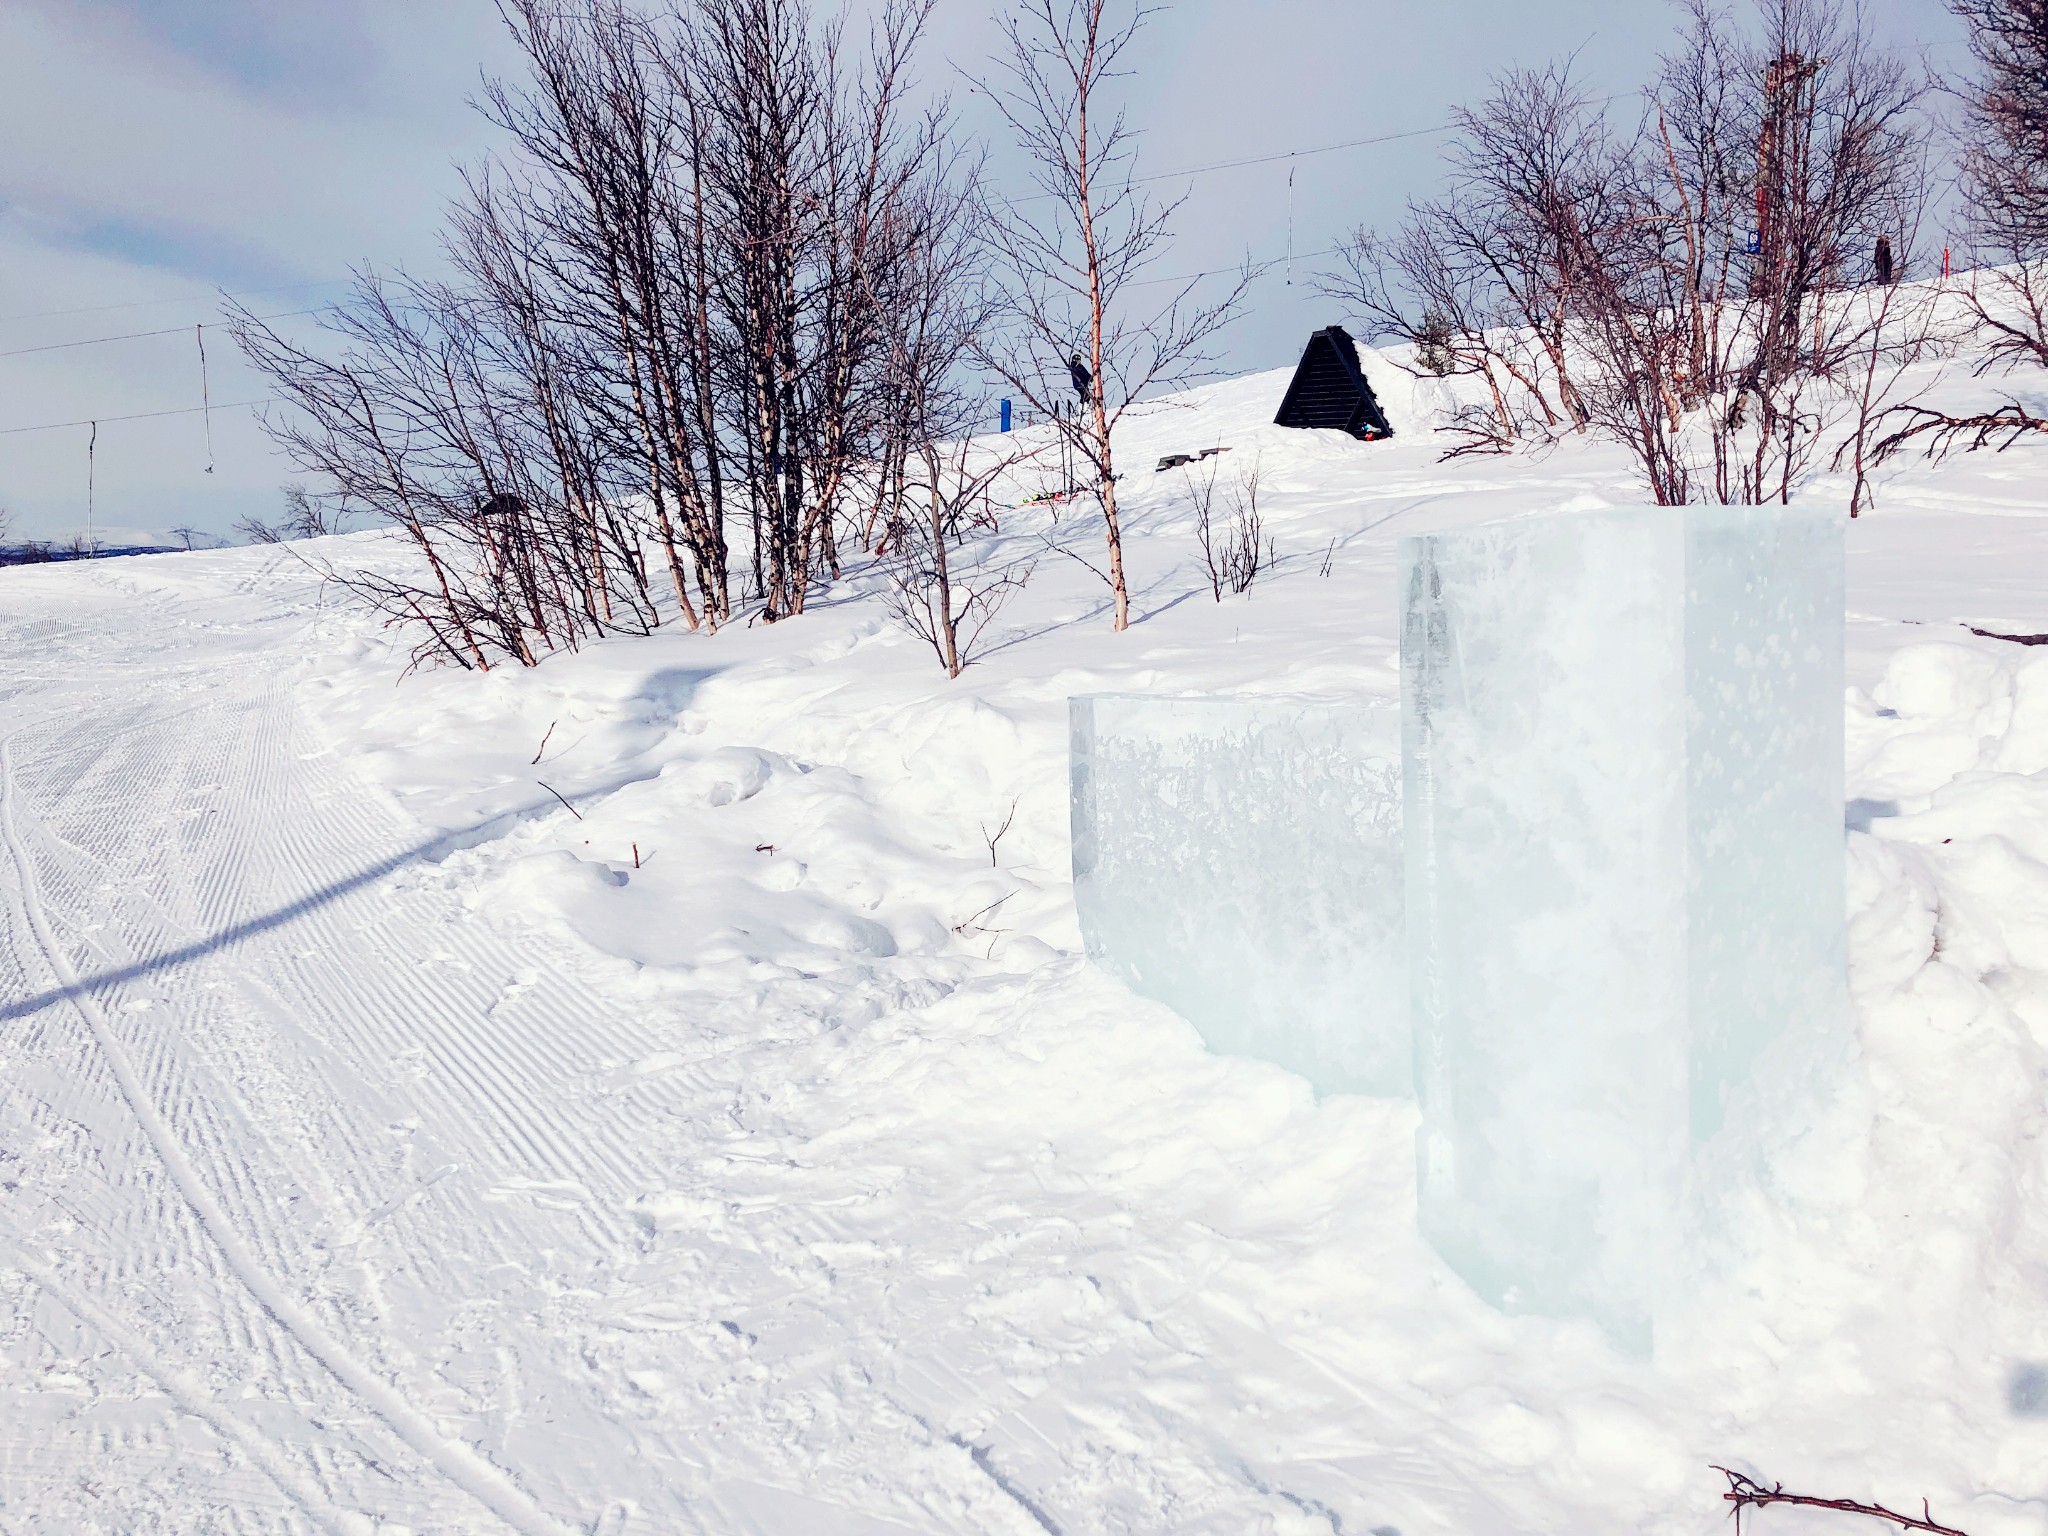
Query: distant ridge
49	554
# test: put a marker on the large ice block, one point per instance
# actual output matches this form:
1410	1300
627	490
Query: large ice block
1623	764
1239	861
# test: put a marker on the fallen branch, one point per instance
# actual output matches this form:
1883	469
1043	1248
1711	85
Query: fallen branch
544	739
1992	634
2012	421
1747	1493
558	795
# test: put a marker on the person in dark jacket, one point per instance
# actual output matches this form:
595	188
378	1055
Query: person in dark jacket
1083	379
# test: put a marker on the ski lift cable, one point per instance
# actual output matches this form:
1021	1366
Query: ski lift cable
1260	269
1300	153
1290	154
176	330
187	410
1285	154
194	298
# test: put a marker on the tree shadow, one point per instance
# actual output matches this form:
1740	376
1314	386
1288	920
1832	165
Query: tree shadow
431	851
672	690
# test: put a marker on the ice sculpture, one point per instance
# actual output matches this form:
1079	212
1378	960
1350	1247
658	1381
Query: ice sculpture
1240	862
1622	740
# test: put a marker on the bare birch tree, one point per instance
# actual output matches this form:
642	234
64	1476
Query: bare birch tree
1484	277
1693	290
2004	131
670	304
2003	157
1074	339
934	479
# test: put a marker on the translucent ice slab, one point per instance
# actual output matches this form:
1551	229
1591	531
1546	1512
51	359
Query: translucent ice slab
1623	758
1240	862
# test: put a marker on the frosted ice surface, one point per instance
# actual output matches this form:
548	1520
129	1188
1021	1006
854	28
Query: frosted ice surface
1623	763
1240	862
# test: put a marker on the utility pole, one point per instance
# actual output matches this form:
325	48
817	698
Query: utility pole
1785	79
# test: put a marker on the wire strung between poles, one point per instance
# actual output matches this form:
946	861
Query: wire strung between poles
183	410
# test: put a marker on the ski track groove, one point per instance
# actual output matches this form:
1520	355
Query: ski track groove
315	1498
464	1466
453	1014
487	1061
238	1318
507	1081
189	1097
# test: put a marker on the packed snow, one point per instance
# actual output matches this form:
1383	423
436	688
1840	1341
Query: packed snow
746	1146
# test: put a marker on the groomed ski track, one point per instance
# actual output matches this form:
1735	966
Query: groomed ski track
225	1178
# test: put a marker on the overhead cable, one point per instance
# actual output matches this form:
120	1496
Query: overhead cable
1289	154
175	330
1294	154
195	298
1325	149
189	410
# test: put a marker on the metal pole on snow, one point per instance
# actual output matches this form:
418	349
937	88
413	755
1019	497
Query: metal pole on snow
91	445
205	395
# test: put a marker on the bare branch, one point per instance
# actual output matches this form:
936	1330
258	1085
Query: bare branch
1746	1493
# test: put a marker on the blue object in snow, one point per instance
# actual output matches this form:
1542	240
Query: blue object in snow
1006	415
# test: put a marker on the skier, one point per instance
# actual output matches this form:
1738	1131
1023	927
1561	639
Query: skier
1083	379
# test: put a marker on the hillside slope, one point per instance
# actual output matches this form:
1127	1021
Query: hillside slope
745	1147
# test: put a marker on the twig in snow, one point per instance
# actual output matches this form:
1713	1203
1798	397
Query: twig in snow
973	922
998	837
544	739
558	795
1747	1493
1235	561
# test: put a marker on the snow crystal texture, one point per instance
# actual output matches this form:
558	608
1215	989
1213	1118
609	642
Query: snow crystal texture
1623	769
1240	862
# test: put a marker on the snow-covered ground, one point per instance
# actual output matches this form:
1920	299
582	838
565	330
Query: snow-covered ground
382	1150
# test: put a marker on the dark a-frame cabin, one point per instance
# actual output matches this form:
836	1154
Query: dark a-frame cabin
1330	389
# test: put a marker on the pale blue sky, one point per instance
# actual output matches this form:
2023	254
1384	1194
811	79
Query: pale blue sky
158	149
